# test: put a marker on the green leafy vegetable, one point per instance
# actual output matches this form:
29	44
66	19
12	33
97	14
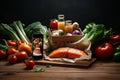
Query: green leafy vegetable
92	33
116	56
3	47
48	65
36	27
38	69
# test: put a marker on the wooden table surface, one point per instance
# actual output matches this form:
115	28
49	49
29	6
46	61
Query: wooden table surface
98	71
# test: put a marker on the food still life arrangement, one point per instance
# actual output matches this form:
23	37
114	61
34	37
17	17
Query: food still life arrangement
63	42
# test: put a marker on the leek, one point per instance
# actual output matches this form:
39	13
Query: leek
5	29
17	25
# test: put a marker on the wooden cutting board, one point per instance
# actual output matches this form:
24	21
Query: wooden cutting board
81	63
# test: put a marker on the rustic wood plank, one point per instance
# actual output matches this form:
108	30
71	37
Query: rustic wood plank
107	64
54	69
61	76
100	70
81	63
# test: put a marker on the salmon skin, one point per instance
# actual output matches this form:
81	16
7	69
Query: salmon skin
66	52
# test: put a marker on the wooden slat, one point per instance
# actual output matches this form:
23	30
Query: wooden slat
100	70
81	63
60	76
107	64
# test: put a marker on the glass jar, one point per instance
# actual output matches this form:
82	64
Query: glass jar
68	26
61	22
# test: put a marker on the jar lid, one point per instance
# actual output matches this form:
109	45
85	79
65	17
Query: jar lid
61	16
68	22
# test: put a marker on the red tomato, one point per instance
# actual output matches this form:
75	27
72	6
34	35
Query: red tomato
3	54
12	51
22	56
19	42
29	64
54	24
11	43
104	51
115	38
12	59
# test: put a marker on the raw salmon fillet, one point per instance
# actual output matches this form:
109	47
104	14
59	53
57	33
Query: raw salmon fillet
66	52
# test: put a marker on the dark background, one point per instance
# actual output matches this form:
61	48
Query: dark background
82	11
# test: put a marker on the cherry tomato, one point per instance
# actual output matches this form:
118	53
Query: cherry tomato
22	56
104	51
19	42
25	47
29	64
12	51
3	54
54	24
115	38
12	59
11	43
